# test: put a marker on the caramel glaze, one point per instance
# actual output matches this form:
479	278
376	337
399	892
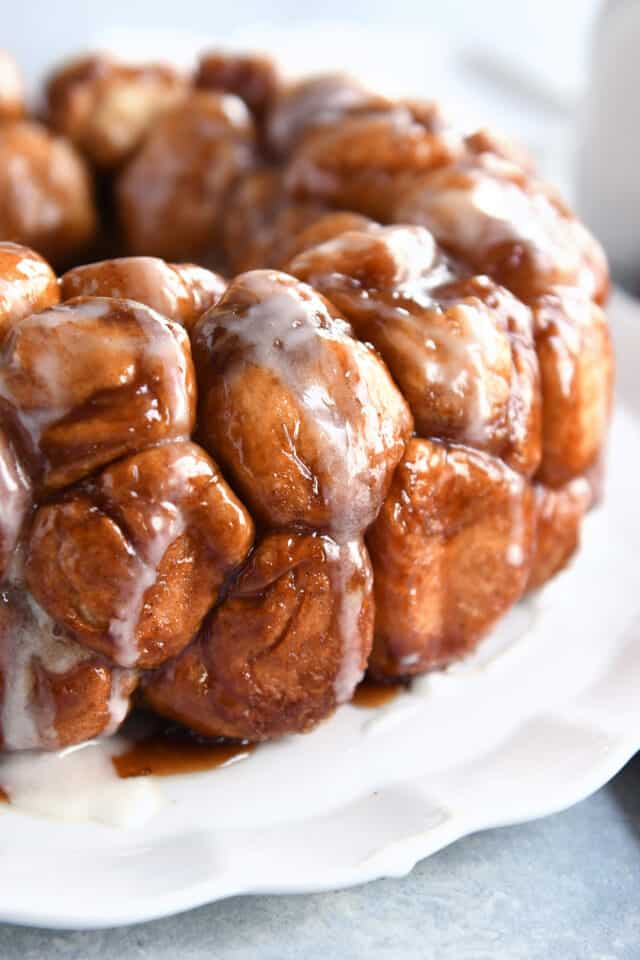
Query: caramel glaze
369	695
170	750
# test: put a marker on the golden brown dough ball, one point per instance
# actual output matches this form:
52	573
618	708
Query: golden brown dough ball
305	419
289	643
27	284
261	222
106	107
133	560
11	88
91	380
53	692
316	103
252	77
46	197
460	349
327	227
559	515
365	161
576	369
451	552
179	291
503	222
170	196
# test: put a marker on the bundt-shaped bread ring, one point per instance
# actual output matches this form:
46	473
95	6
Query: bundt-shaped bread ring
225	498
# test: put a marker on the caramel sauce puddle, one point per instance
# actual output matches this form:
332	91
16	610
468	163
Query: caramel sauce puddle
166	752
369	695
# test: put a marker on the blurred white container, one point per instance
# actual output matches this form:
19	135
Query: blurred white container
609	160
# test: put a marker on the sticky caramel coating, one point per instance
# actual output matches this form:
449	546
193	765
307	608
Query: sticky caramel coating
16	497
451	552
316	103
45	192
252	77
132	561
171	194
305	420
576	369
289	643
460	348
503	222
559	514
365	161
27	284
179	291
261	222
94	379
53	692
106	107
11	88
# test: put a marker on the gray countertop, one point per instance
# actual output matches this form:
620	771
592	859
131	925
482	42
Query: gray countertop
567	887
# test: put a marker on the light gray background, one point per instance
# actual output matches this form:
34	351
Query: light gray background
566	887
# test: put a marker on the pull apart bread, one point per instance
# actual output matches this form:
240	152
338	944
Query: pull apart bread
336	401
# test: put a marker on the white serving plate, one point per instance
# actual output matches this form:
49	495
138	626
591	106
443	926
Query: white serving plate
544	714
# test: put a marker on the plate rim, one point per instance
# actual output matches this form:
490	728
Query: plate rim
56	914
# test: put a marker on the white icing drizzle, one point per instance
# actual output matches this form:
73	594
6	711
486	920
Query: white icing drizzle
514	554
457	347
15	496
478	209
83	355
286	336
167	525
472	356
352	581
33	635
118	705
79	784
167	521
